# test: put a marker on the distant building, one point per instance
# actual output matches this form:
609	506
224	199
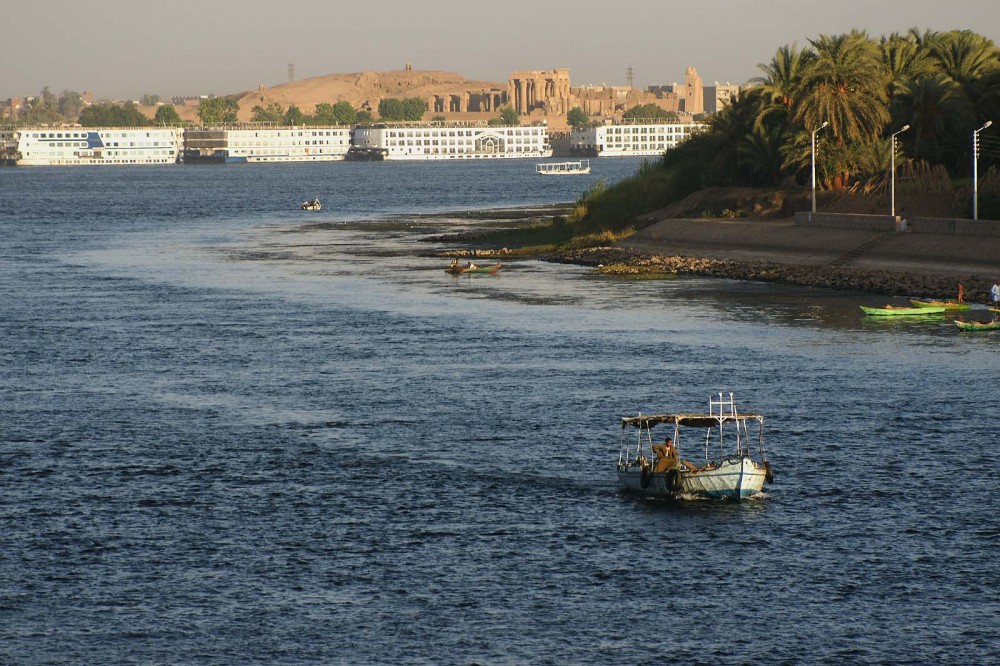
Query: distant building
718	95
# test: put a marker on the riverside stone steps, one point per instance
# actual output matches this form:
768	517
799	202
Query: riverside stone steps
859	251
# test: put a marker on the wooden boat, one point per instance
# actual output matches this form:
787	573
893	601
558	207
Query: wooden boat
902	310
734	467
947	305
563	168
472	268
978	325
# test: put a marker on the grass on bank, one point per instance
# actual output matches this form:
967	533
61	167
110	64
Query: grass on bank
603	215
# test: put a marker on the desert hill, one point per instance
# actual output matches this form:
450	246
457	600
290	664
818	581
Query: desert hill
364	90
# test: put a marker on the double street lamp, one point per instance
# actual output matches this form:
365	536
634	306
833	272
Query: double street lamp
892	172
975	170
825	123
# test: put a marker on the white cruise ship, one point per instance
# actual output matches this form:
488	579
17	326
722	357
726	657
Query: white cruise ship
448	141
266	143
630	140
74	146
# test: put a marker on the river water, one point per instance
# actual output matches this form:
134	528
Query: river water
236	432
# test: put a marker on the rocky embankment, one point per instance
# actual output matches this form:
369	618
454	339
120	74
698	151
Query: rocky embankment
893	283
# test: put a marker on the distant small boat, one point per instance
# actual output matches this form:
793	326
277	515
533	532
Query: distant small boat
312	205
947	305
563	168
902	311
978	325
455	269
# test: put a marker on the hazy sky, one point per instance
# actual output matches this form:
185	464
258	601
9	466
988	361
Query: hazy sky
125	48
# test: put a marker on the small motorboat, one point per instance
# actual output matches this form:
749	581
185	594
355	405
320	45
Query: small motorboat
902	310
456	269
735	464
314	204
947	305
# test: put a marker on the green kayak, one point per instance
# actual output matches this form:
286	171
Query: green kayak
900	311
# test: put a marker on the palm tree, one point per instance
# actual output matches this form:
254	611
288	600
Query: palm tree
782	81
965	57
846	86
760	154
930	106
730	125
905	59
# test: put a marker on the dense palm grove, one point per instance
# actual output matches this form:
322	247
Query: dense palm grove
944	85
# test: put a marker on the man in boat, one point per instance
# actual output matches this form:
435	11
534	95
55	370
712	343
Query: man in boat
995	293
665	456
454	264
471	267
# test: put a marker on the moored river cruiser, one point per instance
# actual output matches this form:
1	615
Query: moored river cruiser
78	146
448	141
630	139
266	143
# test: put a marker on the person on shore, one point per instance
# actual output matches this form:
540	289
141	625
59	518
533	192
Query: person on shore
961	292
995	293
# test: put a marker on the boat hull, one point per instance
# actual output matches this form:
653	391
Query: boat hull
978	326
947	305
478	270
902	312
734	479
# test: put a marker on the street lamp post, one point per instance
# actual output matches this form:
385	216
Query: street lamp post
825	123
892	175
975	170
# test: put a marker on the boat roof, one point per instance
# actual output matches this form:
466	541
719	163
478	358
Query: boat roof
688	420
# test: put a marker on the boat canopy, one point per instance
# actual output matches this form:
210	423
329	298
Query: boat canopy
688	420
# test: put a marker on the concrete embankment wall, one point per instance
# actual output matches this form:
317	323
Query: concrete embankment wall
864	242
917	225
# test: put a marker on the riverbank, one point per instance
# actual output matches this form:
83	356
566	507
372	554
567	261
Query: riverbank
893	264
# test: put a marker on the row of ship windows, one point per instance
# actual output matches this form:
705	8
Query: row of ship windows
343	142
646	130
83	135
88	160
445	151
431	132
279	134
653	140
76	153
109	144
526	141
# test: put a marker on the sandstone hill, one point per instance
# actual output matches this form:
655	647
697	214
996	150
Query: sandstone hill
364	90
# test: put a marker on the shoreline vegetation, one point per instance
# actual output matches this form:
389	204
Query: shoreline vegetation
886	125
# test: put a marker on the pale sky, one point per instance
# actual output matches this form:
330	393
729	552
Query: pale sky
125	48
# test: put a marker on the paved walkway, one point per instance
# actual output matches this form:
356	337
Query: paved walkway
780	241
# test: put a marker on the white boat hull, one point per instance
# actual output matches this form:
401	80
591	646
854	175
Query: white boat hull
734	479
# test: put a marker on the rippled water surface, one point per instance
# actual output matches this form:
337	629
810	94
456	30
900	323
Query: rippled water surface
234	432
